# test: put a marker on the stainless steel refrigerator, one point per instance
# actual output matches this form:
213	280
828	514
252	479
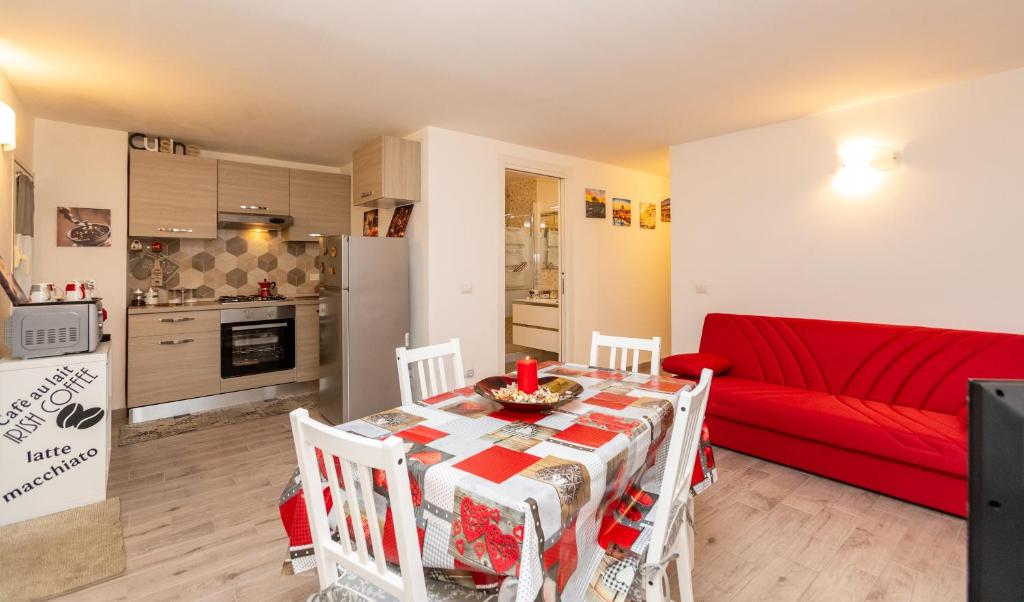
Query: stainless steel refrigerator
364	316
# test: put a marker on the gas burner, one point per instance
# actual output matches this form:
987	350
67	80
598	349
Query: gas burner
248	298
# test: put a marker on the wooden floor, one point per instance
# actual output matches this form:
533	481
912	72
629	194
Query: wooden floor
201	523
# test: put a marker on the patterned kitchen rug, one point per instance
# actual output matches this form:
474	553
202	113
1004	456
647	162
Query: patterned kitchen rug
62	552
131	434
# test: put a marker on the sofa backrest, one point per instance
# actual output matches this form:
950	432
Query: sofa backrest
913	366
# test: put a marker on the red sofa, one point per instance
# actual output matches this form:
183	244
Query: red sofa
879	406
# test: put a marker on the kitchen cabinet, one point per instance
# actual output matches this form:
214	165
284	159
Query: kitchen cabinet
307	342
320	204
173	366
171	195
252	188
386	173
173	323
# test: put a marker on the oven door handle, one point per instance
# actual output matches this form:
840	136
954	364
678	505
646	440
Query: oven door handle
259	326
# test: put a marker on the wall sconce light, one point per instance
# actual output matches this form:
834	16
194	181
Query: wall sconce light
863	164
7	127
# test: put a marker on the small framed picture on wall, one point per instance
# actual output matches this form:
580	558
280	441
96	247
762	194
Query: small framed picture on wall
370	222
595	202
622	212
82	227
648	216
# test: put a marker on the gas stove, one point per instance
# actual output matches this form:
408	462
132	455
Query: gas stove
248	298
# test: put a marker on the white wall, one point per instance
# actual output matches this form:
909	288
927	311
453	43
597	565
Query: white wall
79	166
757	221
618	277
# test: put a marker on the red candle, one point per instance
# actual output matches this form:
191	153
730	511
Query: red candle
526	375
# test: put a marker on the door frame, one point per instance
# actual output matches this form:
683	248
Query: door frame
565	300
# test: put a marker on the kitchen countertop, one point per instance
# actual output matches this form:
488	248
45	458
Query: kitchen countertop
538	301
213	305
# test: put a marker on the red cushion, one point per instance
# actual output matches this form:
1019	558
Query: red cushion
691	364
932	440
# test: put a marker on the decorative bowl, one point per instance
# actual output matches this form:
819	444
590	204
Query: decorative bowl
567	391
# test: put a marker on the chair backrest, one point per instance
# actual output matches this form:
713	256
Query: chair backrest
353	456
435	357
620	347
675	484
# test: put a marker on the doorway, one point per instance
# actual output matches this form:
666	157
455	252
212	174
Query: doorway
533	267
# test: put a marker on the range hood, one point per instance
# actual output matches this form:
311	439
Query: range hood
245	221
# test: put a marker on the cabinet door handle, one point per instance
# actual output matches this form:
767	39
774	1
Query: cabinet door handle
254	207
366	194
177	342
170	229
176	319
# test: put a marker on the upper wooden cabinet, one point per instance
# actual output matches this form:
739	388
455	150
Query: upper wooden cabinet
252	188
386	173
172	195
321	204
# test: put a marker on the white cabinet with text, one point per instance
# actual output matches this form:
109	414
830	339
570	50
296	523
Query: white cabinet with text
54	433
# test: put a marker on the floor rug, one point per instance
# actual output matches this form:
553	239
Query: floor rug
187	423
61	552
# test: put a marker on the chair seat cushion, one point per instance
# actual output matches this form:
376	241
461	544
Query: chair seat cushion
352	588
691	364
925	438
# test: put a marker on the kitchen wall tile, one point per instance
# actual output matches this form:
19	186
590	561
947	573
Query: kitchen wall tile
267	261
205	264
238	278
202	261
247	262
296	276
236	245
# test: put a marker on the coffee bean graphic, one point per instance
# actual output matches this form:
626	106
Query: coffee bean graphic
90	417
69	416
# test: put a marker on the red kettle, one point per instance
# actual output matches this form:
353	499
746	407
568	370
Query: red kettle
267	288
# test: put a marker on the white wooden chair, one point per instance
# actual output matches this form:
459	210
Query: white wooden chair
674	510
349	572
434	357
624	345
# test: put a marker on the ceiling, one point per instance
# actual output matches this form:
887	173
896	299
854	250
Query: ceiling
615	81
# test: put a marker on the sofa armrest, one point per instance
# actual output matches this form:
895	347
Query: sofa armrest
689	365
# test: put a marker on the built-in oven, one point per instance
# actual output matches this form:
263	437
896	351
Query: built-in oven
255	340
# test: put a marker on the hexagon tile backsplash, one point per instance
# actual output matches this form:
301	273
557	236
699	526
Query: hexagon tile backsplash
231	264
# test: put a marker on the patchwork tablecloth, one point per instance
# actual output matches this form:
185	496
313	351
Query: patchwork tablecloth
561	502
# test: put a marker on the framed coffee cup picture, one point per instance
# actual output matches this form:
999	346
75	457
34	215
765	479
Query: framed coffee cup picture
82	227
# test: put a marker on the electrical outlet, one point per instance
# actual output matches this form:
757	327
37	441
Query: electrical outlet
701	288
470	373
313	276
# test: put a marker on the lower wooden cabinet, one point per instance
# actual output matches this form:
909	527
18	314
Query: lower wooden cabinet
172	367
307	342
176	355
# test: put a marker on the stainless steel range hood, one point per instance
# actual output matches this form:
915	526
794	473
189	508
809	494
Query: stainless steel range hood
245	221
